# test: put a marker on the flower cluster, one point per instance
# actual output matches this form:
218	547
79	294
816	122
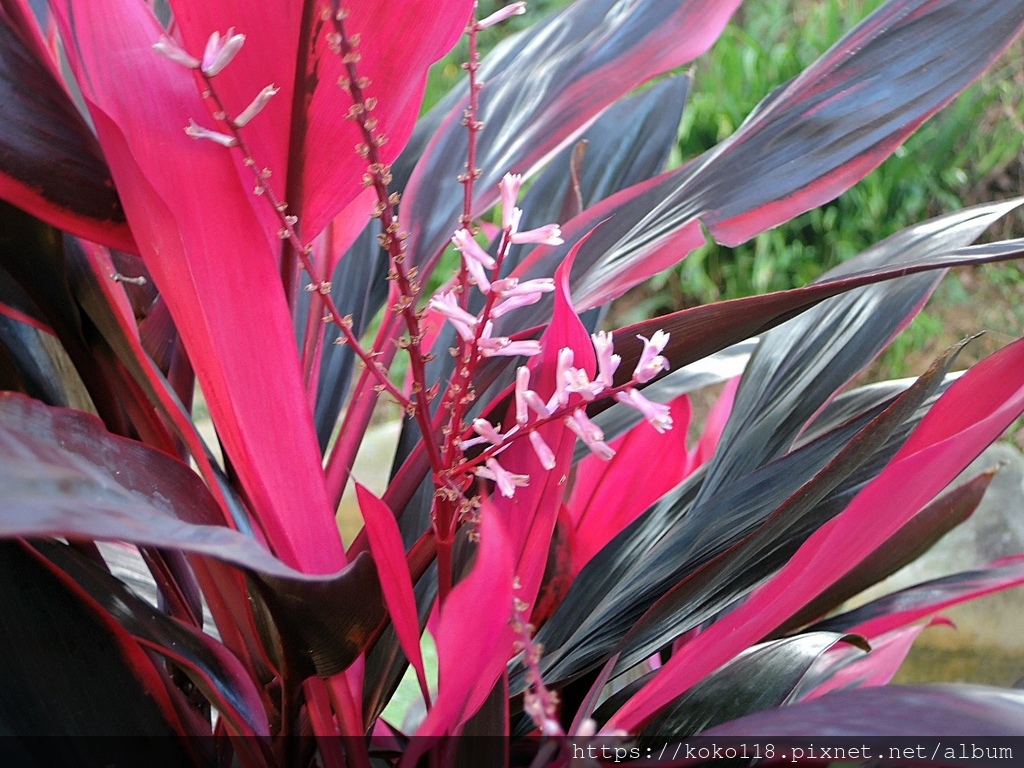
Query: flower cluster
573	386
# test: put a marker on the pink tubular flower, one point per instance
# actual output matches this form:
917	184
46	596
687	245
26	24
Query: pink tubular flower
502	346
511	286
476	259
167	47
220	51
506	481
590	434
471	249
510	10
544	453
262	99
576	380
488	431
537	405
549	234
565	359
448	305
515	302
522	387
505	347
607	361
509	189
660	416
651	362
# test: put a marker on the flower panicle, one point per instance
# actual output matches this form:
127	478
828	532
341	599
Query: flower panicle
574	386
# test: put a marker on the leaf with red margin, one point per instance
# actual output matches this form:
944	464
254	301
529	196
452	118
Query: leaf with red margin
395	579
211	260
85	675
760	678
608	495
63	475
50	162
924	599
806	143
970	415
847	668
702	330
474	636
532	512
924	710
906	545
219	674
303	135
544	87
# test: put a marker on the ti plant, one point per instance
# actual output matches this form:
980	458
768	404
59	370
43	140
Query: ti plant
238	195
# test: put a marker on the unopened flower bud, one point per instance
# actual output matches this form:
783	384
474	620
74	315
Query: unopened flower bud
509	189
220	51
262	99
510	10
544	453
549	234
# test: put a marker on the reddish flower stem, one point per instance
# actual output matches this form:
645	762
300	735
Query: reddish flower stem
289	233
378	176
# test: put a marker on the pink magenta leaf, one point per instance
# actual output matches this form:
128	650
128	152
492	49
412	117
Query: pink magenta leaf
304	137
532	512
849	667
474	635
210	258
608	495
395	579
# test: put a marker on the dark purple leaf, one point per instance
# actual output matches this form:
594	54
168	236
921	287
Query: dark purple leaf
910	542
70	670
807	143
763	677
753	474
542	89
971	414
217	673
935	710
736	571
50	162
63	475
920	600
